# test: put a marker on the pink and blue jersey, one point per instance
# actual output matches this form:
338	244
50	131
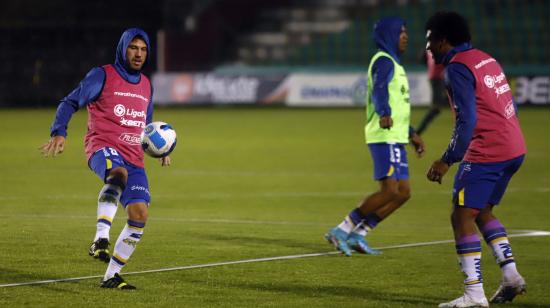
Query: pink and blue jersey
118	116
119	103
487	128
487	137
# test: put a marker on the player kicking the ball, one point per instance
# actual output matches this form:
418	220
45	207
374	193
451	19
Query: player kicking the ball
119	102
488	142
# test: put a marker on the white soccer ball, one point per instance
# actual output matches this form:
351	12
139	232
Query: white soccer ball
158	139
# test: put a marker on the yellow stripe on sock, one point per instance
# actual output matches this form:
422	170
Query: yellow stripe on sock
135	228
472	282
109	219
498	239
471	254
121	259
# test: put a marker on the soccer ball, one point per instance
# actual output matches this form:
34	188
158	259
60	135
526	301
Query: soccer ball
158	139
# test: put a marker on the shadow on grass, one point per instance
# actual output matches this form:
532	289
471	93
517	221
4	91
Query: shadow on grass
257	240
363	293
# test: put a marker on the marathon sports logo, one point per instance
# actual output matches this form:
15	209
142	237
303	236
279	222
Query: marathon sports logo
494	81
131	139
128	94
484	62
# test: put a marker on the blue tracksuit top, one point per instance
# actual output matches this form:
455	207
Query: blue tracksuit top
386	37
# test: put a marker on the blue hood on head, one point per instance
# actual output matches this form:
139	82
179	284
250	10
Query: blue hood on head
121	64
386	35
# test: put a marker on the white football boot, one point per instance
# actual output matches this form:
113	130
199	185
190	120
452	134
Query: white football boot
465	301
508	290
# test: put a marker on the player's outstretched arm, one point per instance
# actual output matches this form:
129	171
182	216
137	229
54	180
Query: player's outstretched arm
165	161
54	146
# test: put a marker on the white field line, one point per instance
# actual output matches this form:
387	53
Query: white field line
265	195
196	220
528	233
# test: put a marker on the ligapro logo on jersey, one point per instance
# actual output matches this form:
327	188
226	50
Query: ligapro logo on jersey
124	114
494	81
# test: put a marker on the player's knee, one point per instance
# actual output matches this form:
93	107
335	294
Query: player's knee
404	196
138	212
118	176
140	216
390	195
390	190
485	216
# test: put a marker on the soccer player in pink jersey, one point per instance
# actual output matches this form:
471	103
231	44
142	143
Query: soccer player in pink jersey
488	143
118	98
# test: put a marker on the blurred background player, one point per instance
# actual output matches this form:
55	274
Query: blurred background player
119	102
439	98
387	132
488	141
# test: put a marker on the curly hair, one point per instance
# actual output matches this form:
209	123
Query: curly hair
450	26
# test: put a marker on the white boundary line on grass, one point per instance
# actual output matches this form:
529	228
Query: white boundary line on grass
526	233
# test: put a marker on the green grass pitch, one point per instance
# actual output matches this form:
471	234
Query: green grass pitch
250	183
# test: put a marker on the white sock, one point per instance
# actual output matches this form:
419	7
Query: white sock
105	214
107	201
471	267
124	247
510	272
346	225
361	229
504	257
474	291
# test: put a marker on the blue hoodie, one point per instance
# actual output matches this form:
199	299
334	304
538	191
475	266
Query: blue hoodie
89	89
386	36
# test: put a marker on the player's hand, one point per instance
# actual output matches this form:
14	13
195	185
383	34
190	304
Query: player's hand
54	146
165	161
437	171
418	144
386	122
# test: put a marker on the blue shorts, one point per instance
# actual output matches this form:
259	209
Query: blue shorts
390	161
137	187
479	184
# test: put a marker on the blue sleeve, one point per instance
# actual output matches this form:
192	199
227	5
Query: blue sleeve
515	106
382	74
87	91
461	83
149	118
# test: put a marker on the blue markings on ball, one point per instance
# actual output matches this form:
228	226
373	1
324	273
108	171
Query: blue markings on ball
157	140
165	127
149	129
